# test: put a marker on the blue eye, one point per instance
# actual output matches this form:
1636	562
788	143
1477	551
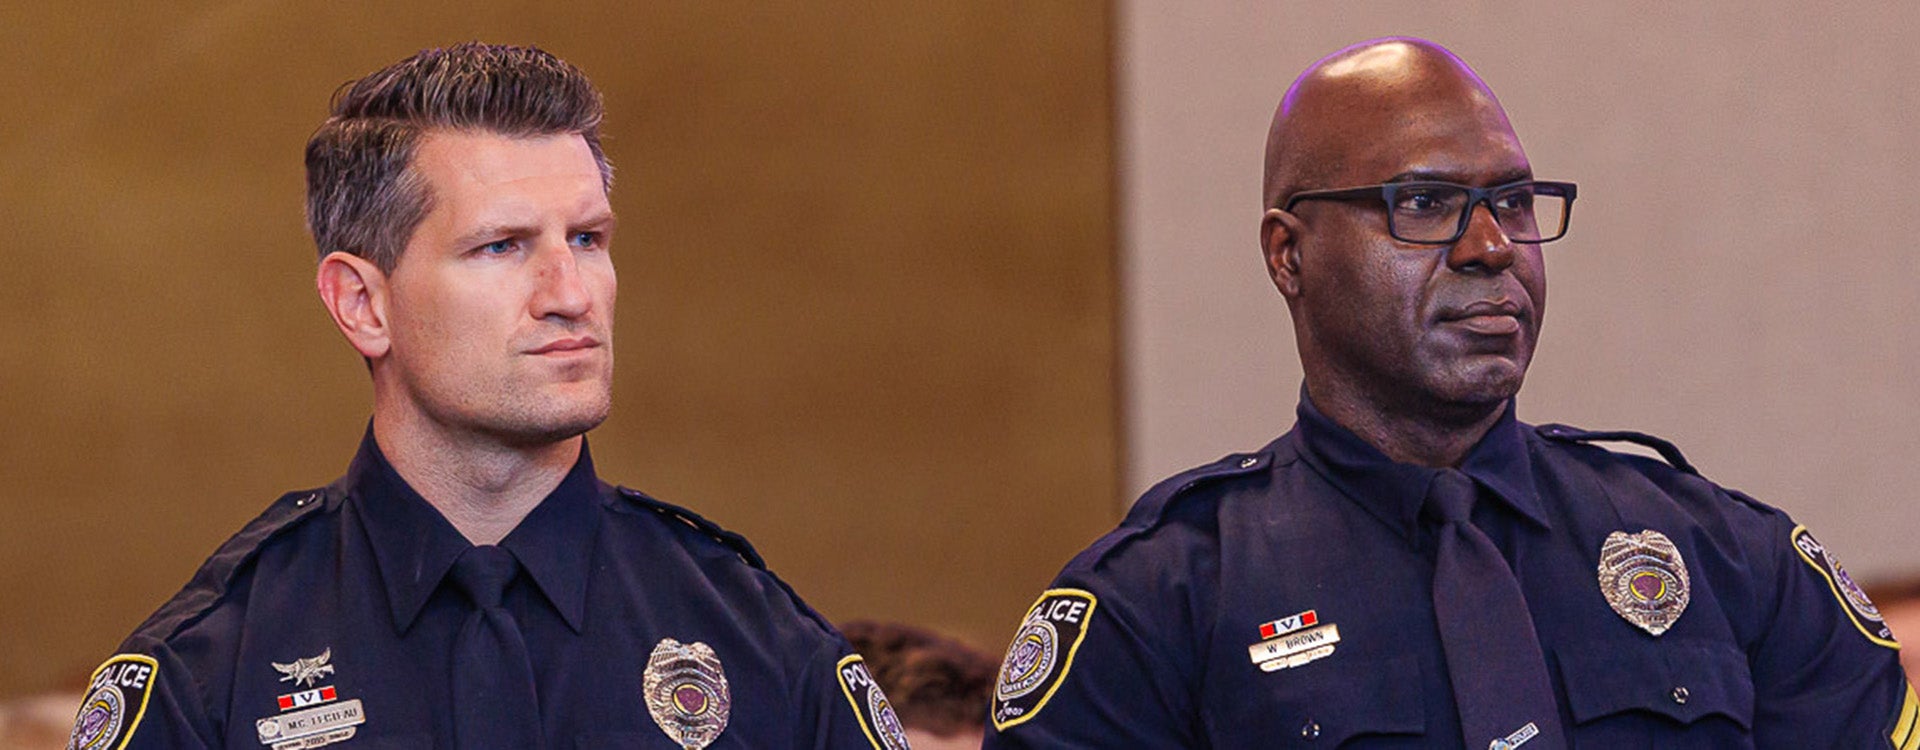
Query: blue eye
585	239
497	247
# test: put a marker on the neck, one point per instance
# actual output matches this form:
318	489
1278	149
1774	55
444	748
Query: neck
483	487
1435	438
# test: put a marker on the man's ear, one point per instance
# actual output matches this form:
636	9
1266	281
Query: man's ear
355	293
1279	240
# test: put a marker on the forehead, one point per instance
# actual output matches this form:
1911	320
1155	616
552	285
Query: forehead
479	172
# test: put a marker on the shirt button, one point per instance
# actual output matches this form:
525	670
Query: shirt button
1248	462
1680	695
1310	730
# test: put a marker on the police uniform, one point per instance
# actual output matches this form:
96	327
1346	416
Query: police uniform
329	619
1282	598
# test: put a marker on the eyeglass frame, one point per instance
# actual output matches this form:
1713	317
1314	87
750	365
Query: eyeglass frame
1387	191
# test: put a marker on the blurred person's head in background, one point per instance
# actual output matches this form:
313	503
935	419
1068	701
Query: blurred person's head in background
939	686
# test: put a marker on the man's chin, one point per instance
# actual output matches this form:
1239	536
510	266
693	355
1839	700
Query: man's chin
535	430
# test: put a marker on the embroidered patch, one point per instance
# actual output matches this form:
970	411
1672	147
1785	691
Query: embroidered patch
1905	735
686	692
877	717
116	701
1859	608
310	718
1644	579
1041	654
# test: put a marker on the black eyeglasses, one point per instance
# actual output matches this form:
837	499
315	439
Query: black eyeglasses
1436	213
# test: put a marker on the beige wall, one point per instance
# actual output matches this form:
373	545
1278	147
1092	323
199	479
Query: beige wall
867	310
1741	276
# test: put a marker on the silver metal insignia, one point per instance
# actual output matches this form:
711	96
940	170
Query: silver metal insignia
306	671
1644	579
686	692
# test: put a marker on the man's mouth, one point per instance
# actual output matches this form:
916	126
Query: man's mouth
1488	318
566	345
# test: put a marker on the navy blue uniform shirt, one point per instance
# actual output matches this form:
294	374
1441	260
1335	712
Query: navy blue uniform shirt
332	617
1155	635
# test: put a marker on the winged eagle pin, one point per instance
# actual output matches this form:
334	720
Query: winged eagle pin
307	671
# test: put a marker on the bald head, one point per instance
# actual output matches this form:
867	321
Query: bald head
1358	98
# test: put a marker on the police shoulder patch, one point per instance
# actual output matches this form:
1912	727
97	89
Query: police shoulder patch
116	701
1853	600
1041	653
870	705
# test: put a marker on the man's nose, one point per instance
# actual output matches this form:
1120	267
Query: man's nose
1484	246
559	287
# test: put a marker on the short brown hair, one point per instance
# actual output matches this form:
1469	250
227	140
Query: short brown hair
935	683
363	198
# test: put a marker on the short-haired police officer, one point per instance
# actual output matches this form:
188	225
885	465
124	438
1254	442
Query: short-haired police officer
470	582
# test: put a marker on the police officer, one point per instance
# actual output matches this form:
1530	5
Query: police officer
471	582
1410	566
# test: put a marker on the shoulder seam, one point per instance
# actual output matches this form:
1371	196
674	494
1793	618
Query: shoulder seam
210	583
733	541
1667	450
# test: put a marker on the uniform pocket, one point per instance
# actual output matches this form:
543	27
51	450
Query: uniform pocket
1341	702
1680	680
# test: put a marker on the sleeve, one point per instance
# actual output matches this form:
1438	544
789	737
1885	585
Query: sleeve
1826	672
850	712
1088	668
141	699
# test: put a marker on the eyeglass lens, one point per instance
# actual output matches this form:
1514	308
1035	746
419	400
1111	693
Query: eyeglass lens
1432	213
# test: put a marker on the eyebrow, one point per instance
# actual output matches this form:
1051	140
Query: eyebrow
1434	175
601	221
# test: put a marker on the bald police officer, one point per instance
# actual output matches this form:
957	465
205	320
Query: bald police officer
471	582
1410	566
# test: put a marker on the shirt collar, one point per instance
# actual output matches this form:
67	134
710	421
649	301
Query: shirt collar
414	545
1394	491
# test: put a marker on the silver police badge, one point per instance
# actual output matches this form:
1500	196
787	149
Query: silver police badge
686	692
1644	579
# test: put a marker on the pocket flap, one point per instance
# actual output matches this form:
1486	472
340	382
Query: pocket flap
1680	680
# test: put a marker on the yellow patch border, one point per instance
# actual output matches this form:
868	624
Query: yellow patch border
1834	586
861	716
153	683
1904	737
1066	667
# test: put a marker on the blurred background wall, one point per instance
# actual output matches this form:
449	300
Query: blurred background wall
918	296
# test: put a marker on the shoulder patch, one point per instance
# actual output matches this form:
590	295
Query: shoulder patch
870	705
116	701
1905	735
1041	654
1667	450
1853	600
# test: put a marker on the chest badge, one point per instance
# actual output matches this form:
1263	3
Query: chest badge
1644	579
1292	641
312	717
686	692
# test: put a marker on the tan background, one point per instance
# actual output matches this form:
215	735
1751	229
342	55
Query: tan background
1741	277
867	311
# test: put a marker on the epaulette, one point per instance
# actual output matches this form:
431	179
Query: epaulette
1148	508
1566	434
734	541
209	584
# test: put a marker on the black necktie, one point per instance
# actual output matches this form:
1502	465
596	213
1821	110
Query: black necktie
494	705
1499	678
